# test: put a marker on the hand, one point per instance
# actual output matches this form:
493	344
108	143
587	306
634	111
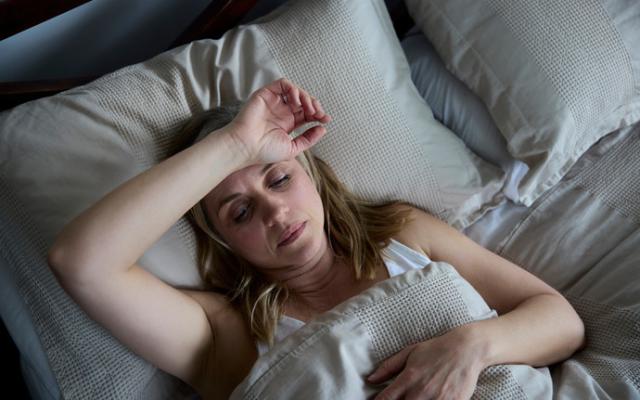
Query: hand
263	125
445	367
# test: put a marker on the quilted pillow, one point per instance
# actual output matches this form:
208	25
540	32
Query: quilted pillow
556	76
383	141
61	154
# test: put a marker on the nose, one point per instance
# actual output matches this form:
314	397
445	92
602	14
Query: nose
275	211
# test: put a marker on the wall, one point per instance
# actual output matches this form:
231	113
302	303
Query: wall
104	35
95	38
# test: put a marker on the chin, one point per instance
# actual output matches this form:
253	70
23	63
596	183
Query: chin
307	248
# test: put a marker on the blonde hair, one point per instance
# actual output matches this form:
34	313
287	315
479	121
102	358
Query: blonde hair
357	231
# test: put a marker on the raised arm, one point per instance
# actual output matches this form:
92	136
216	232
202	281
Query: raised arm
95	254
113	233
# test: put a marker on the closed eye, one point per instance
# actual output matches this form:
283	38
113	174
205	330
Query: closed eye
238	219
279	183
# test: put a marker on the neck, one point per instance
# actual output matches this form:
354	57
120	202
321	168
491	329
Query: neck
317	285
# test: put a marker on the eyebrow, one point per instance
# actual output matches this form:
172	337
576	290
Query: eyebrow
233	196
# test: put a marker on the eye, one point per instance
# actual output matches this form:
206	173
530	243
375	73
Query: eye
241	217
244	211
281	181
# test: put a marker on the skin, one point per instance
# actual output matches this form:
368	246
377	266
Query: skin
268	204
94	258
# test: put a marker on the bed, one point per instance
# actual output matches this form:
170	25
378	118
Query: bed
517	124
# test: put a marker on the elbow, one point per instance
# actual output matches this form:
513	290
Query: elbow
56	264
54	257
576	328
62	268
581	335
567	329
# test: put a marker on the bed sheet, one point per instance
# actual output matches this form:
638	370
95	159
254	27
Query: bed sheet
582	237
497	224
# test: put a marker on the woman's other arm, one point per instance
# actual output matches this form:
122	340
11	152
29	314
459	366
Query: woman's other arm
536	324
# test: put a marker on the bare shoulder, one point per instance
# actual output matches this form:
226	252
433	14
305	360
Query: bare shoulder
416	232
234	351
500	282
211	302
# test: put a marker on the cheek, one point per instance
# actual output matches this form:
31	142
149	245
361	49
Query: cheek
245	239
314	203
304	202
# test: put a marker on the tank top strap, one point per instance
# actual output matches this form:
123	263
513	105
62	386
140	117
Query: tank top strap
400	258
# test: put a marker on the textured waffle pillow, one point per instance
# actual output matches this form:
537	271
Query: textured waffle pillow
384	141
330	357
459	109
75	147
61	154
556	76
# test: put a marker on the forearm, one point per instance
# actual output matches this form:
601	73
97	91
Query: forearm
540	331
113	233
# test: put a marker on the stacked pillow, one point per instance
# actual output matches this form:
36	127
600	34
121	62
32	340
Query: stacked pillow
383	141
61	154
459	109
555	76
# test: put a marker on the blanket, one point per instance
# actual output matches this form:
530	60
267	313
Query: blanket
331	356
583	238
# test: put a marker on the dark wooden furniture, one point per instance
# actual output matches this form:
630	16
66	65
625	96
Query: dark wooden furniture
218	17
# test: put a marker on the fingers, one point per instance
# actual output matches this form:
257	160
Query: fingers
320	114
390	366
289	92
396	389
297	98
307	103
307	139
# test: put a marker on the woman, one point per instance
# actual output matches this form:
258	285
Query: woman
287	239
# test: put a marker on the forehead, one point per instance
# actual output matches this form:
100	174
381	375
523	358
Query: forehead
247	175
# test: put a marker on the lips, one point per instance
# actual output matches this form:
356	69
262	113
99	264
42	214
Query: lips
290	232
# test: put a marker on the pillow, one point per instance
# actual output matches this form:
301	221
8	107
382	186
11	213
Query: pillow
59	155
368	99
459	109
555	76
330	357
86	141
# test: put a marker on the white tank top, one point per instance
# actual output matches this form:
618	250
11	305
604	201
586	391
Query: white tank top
398	259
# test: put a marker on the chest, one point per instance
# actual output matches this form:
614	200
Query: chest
339	293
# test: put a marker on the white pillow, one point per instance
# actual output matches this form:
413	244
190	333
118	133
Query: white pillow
459	109
556	76
452	103
383	141
73	148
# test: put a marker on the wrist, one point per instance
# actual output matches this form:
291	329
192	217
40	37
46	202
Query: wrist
237	151
477	343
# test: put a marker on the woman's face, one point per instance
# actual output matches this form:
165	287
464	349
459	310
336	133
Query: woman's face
253	207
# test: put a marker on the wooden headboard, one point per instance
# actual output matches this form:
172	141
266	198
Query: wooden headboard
217	18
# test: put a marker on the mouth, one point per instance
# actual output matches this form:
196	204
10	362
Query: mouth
291	237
